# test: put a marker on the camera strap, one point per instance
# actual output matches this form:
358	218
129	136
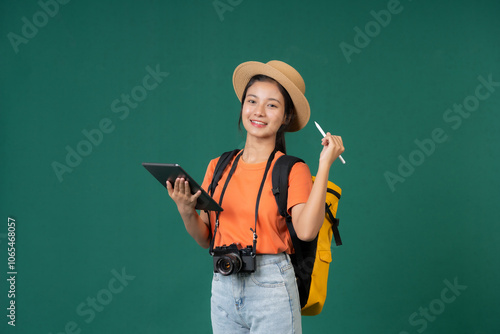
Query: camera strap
231	172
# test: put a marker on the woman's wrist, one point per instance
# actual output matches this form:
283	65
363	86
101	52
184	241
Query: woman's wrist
187	212
323	169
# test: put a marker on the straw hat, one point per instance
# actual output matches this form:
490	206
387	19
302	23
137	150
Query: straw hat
283	73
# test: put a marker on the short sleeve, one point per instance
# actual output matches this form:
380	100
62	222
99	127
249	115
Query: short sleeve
209	174
299	185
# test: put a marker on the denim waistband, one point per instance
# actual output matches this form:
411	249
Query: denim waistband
263	259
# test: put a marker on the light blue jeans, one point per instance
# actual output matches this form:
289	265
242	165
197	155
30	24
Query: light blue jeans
266	301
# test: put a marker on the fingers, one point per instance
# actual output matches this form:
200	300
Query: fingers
333	147
185	189
335	141
170	189
179	187
196	195
181	190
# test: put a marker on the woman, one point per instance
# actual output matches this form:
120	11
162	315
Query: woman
266	300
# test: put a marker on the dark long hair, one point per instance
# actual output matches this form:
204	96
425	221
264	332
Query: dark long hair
280	144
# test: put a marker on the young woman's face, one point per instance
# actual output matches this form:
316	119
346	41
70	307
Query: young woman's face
263	110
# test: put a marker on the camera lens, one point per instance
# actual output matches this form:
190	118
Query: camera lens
228	264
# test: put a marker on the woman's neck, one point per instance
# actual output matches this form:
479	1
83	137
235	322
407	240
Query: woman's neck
256	152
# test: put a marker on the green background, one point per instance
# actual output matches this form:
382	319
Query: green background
401	243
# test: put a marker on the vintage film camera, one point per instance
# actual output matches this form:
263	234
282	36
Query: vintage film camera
233	259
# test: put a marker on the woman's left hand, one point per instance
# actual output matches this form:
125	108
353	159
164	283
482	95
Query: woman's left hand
332	148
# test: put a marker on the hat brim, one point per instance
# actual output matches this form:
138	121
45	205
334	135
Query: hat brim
244	72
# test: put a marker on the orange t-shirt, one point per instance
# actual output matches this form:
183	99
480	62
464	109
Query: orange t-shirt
239	205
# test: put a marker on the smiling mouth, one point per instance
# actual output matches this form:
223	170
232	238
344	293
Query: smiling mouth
258	123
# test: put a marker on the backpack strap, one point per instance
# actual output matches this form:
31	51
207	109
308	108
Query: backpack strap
335	225
221	165
333	219
281	170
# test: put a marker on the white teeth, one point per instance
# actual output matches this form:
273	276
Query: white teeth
257	122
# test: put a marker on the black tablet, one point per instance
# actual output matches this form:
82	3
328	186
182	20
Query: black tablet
170	172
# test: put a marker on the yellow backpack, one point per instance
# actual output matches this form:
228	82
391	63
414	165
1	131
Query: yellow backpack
311	260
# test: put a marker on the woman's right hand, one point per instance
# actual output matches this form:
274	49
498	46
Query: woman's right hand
180	192
333	147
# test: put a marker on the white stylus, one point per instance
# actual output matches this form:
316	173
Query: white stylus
324	135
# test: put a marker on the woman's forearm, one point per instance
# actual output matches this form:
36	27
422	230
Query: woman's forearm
196	228
195	225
